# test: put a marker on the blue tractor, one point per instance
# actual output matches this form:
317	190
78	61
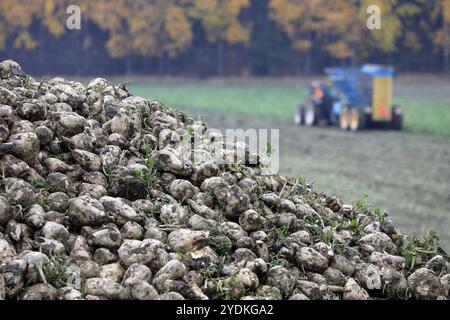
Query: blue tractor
352	98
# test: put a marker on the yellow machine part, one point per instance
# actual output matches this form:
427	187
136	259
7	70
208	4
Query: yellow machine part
382	99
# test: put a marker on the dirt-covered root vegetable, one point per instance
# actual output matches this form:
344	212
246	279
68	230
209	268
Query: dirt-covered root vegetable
182	189
132	230
203	171
187	240
437	264
353	291
174	214
10	68
106	288
394	283
68	124
40	291
234	288
55	231
204	211
24	145
14	167
310	259
45	135
6	212
128	187
20	192
106	237
58	182
174	269
250	220
135	274
135	251
369	276
35	216
4	130
112	271
383	259
2	288
69	93
425	284
69	293
7	252
233	199
55	165
86	211
88	160
142	290
378	241
197	222
170	161
282	279
248	278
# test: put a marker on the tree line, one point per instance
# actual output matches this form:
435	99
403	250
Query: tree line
224	37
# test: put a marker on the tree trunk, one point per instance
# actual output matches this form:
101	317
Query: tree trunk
308	56
160	66
41	46
446	47
446	28
220	58
307	68
84	51
128	65
167	64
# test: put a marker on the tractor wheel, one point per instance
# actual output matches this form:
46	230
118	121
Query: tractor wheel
299	116
357	119
397	118
344	119
311	116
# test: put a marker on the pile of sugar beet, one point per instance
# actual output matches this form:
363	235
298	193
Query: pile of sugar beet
99	200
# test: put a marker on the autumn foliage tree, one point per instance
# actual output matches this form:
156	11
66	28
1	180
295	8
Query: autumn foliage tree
443	37
314	33
148	28
338	27
17	22
220	19
155	28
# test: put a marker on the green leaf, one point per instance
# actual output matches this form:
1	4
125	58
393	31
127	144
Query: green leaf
269	149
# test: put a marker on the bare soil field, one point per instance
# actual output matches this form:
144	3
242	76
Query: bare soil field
407	174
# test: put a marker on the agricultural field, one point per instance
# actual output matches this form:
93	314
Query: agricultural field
406	173
426	104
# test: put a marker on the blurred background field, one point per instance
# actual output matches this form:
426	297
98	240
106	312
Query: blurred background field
425	101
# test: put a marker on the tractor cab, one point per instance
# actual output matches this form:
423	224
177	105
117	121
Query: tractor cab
354	99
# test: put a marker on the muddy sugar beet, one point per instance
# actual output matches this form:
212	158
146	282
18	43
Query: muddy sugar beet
99	199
